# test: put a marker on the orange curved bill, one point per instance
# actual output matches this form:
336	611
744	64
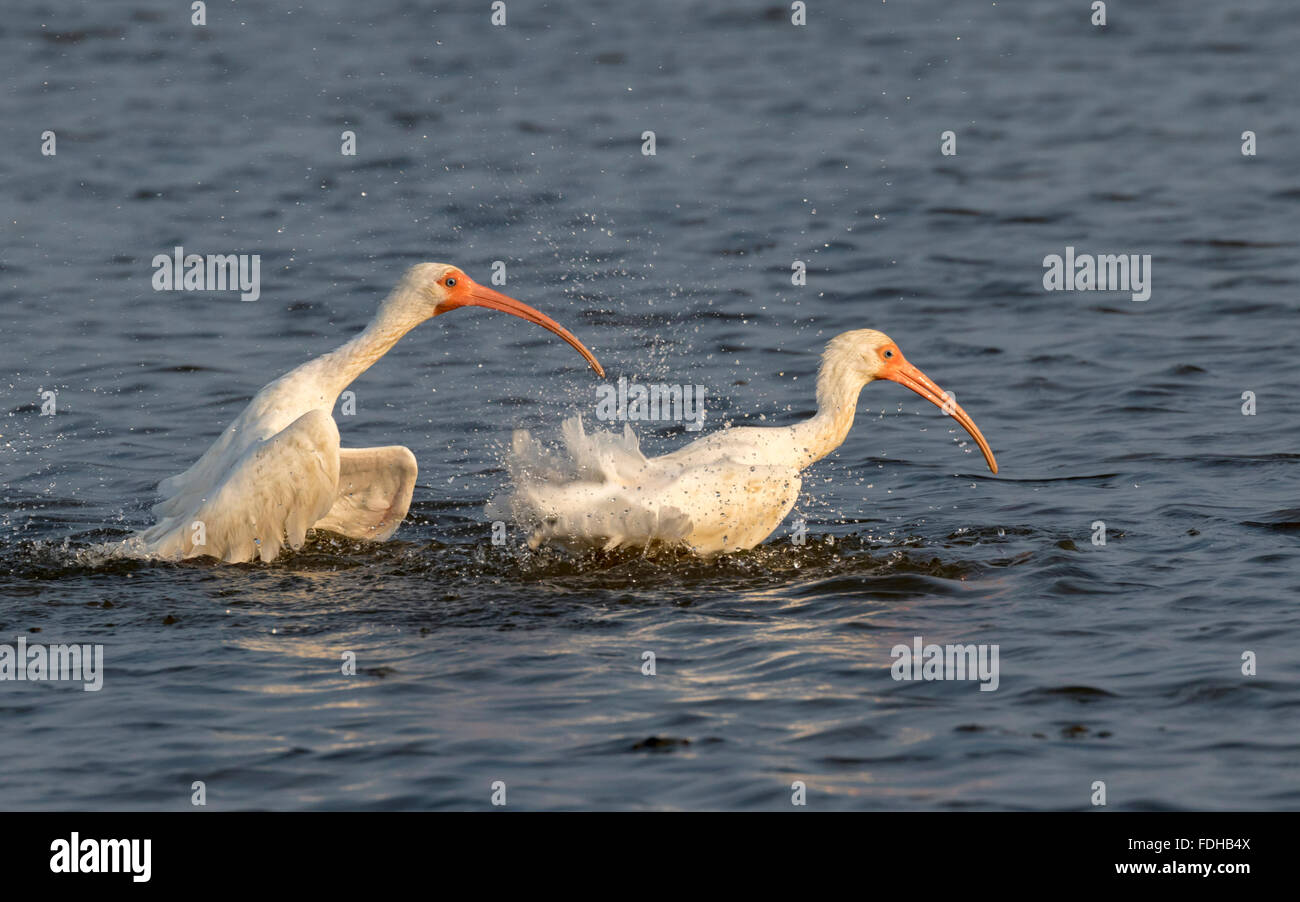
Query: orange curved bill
481	296
905	374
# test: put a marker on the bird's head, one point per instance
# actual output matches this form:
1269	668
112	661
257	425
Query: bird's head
865	355
440	288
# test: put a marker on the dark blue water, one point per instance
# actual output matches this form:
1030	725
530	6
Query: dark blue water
1119	663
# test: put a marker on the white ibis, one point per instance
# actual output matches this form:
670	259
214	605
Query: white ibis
278	470
725	492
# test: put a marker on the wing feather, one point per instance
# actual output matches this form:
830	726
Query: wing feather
374	492
605	493
275	490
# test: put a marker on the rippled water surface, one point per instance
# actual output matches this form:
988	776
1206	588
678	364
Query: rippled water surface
476	663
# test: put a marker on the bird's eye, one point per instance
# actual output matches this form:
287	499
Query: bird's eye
889	353
450	283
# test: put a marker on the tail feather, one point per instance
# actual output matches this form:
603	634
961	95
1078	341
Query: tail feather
593	495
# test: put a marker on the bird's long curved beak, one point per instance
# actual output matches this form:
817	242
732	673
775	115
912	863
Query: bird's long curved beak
481	296
905	374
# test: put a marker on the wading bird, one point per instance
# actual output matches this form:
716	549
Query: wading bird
278	470
725	492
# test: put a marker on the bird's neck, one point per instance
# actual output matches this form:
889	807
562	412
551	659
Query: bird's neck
339	368
837	402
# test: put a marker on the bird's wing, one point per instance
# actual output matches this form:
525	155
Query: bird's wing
578	499
266	415
374	492
732	506
278	487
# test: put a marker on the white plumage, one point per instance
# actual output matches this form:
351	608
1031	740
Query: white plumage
278	471
725	492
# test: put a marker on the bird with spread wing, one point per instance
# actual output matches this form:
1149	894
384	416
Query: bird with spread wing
278	470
